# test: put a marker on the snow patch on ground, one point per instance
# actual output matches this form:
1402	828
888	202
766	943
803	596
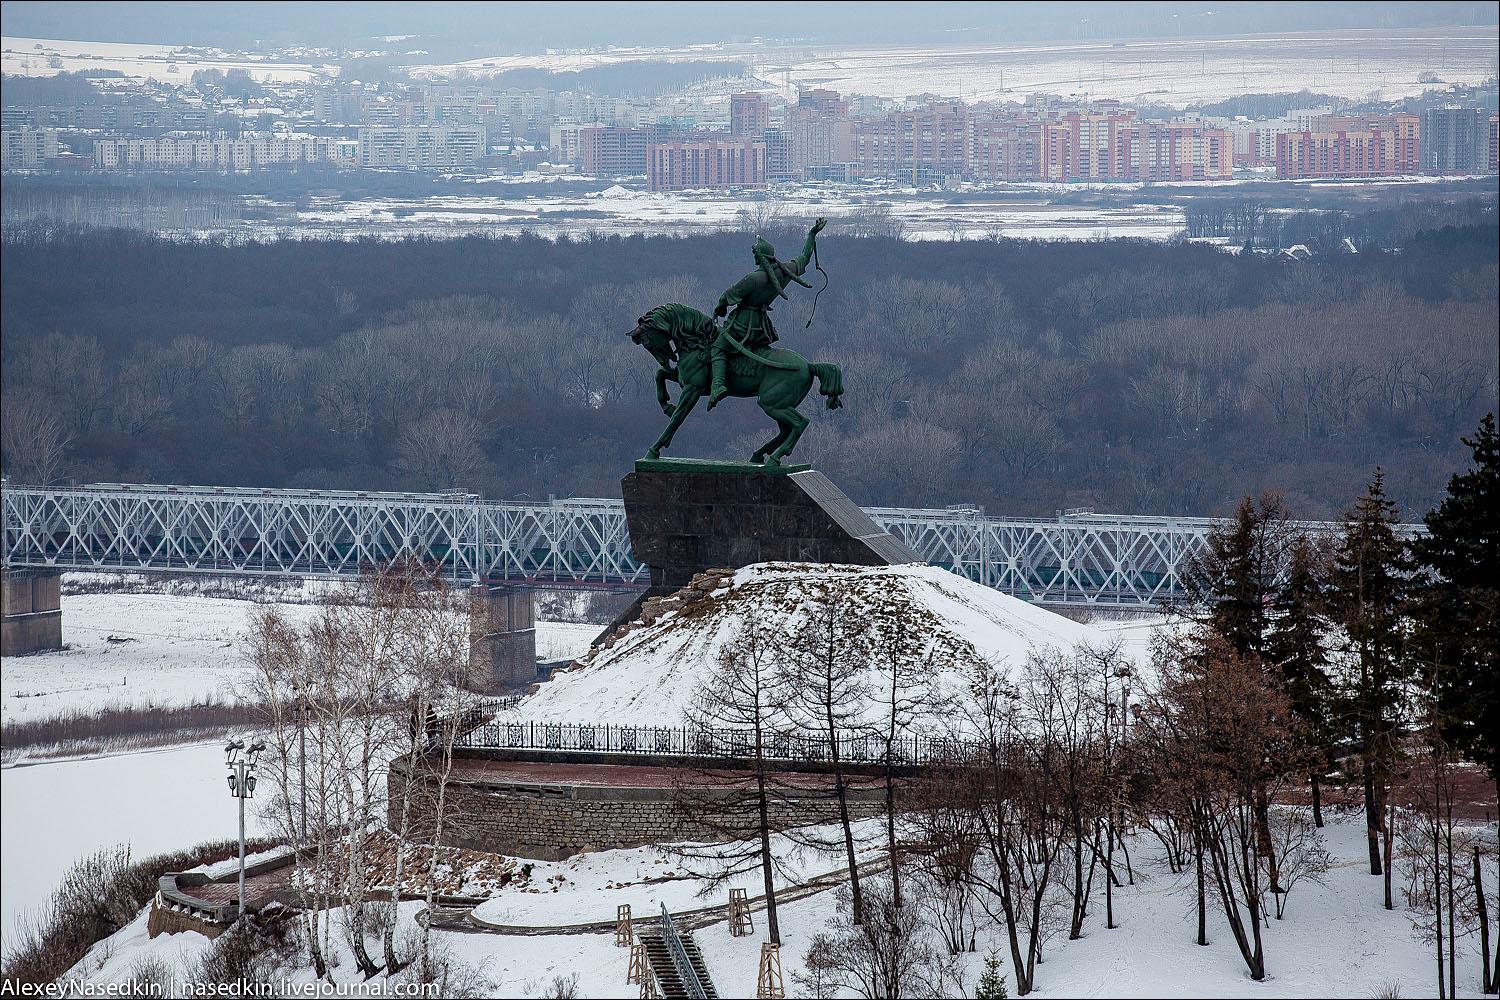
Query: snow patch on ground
587	887
650	675
153	650
1336	941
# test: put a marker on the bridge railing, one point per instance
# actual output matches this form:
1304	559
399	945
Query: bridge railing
709	743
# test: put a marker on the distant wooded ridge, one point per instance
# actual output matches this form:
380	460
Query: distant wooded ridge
1023	376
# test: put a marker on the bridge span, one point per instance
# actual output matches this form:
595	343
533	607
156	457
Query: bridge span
1079	559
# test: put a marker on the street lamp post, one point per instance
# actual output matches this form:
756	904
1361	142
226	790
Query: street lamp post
241	762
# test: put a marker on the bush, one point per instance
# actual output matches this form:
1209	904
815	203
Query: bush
127	723
991	980
251	950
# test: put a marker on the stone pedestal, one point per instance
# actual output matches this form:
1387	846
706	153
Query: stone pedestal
688	516
32	619
502	643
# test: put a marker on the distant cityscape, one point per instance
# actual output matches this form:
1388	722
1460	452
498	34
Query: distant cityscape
232	123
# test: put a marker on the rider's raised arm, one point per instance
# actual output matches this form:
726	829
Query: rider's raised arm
798	264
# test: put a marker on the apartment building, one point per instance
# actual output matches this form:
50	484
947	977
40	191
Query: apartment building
246	153
706	161
419	147
819	132
749	114
924	143
1351	146
1454	140
1004	148
27	148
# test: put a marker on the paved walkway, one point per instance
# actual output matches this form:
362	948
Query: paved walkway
259	889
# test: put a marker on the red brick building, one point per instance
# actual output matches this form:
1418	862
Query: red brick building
749	114
1173	151
924	143
1087	145
1401	135
708	161
1345	146
608	150
1004	148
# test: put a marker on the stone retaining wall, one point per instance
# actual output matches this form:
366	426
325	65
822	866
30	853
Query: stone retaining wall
549	821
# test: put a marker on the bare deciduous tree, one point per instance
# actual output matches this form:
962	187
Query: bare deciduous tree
34	439
826	683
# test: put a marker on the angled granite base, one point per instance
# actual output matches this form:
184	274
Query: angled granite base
685	517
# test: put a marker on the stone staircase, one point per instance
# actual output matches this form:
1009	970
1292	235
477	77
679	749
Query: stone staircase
659	955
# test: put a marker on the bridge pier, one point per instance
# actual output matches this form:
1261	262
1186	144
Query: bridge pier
502	638
32	620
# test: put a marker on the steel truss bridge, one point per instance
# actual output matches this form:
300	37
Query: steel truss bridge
1074	559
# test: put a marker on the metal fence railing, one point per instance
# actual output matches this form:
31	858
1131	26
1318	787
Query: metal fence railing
731	744
691	984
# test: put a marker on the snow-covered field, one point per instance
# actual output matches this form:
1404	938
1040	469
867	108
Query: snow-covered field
1336	941
1172	71
1356	63
160	650
166	63
622	210
1020	210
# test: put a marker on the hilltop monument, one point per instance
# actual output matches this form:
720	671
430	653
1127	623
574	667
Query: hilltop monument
689	515
737	359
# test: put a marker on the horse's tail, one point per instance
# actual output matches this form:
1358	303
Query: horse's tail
830	382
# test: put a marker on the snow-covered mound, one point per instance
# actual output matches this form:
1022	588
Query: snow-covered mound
650	675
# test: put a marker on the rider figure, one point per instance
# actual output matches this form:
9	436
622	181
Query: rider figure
751	297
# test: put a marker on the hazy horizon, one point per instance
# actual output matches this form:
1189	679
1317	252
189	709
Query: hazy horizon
501	28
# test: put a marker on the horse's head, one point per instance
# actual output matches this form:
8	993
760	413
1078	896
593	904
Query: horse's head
656	340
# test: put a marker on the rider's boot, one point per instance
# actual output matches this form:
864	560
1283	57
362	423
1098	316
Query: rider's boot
719	365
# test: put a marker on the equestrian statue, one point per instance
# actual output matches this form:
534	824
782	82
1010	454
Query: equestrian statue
737	359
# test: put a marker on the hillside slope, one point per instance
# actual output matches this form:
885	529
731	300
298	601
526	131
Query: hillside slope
649	675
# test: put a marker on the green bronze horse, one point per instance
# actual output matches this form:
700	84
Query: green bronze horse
680	338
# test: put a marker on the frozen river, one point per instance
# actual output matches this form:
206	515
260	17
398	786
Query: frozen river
53	813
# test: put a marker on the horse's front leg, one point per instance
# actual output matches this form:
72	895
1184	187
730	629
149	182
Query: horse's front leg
663	397
685	403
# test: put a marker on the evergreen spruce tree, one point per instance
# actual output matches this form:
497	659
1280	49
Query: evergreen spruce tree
1369	596
991	984
1297	649
1234	587
1460	603
1233	583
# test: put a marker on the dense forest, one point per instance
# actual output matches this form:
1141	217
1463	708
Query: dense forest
1021	376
